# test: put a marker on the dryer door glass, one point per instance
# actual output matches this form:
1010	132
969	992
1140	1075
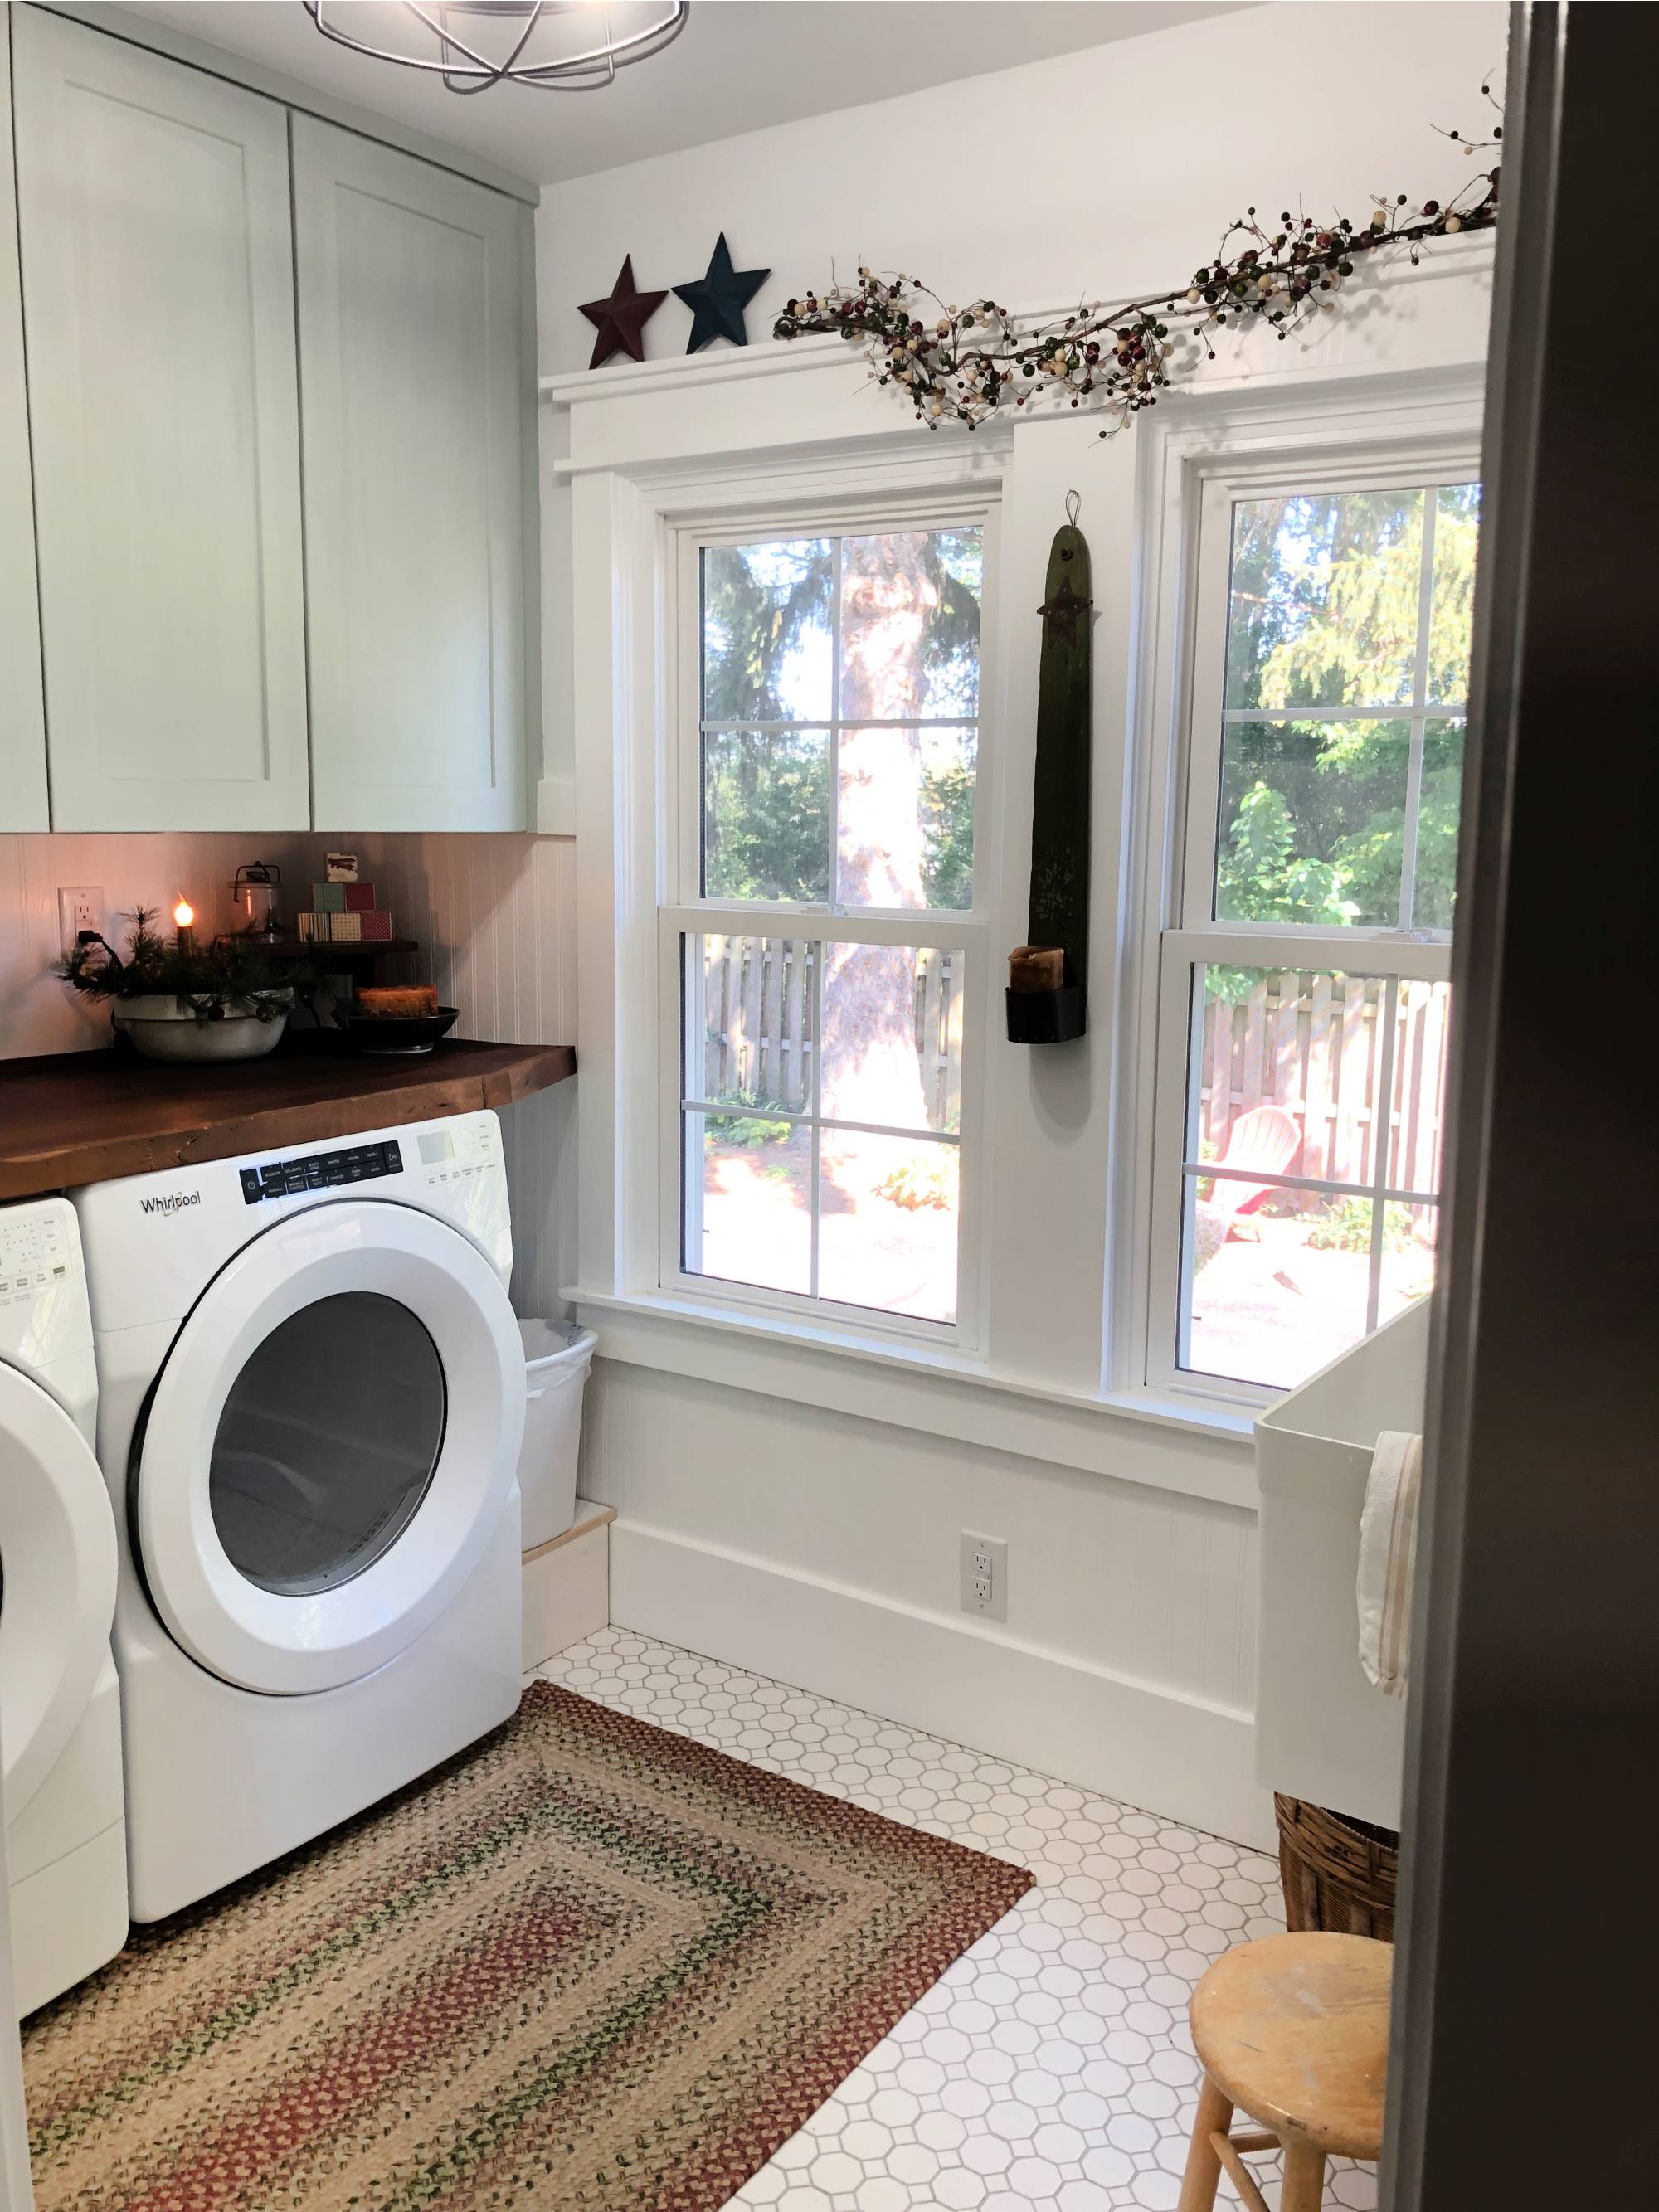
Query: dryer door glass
327	1444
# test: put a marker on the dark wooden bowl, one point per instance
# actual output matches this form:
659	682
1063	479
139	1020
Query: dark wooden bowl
397	1032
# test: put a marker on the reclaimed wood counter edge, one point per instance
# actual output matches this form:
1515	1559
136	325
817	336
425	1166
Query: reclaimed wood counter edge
89	1117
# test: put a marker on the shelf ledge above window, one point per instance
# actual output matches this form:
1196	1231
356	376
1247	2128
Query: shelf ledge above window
1160	1443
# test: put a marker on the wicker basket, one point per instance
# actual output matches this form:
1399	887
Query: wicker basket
1337	1874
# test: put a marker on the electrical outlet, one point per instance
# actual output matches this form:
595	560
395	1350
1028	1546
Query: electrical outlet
984	1576
78	909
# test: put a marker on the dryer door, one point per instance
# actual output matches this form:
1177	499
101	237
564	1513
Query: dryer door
331	1440
57	1581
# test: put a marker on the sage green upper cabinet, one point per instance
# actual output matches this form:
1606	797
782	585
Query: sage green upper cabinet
22	723
158	291
411	288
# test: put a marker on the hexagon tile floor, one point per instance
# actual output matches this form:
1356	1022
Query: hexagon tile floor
1051	2066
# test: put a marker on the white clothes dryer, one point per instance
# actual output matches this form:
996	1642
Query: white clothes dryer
311	1402
60	1723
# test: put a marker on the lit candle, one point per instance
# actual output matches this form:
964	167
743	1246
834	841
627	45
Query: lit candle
183	915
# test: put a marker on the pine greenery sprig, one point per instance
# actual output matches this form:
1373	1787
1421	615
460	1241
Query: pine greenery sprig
214	981
965	364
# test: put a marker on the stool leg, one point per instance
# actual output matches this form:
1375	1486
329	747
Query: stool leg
1304	2178
1215	2116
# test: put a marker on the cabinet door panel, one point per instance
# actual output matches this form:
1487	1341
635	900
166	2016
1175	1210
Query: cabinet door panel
412	402
22	722
157	254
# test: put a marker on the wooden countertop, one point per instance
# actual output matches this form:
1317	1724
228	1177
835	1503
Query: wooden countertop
89	1117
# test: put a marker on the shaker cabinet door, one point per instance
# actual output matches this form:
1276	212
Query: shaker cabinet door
158	290
22	723
410	293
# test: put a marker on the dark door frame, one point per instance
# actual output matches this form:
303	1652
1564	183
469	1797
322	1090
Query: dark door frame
1525	2035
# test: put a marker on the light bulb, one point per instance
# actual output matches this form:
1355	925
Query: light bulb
183	915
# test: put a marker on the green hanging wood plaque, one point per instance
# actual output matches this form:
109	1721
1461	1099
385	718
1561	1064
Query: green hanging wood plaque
1047	993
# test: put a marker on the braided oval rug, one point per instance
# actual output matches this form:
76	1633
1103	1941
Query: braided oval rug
587	1965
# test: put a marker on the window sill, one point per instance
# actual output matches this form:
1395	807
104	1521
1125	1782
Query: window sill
1137	1435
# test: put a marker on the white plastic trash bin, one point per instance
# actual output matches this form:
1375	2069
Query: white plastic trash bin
556	1358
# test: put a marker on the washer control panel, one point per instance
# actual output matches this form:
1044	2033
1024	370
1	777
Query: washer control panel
44	1316
321	1170
34	1253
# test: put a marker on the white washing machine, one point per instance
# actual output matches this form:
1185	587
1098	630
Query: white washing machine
60	1723
310	1400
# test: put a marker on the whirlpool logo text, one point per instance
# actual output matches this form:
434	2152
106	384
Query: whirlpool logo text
172	1204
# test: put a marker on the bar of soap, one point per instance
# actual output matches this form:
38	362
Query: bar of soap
1036	968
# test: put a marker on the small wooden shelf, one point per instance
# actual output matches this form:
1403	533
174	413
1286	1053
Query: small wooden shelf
76	1117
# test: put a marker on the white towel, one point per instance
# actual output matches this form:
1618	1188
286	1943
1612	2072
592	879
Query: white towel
1388	1547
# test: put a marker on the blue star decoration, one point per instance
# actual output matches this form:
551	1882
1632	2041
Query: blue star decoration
717	301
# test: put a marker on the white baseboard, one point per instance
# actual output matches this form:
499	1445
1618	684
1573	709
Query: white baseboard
1146	1746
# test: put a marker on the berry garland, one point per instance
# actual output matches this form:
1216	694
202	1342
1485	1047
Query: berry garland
966	364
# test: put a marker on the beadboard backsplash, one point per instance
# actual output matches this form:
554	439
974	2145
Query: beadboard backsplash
495	915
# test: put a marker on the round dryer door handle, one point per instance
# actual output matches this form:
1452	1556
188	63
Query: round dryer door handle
284	1644
58	1553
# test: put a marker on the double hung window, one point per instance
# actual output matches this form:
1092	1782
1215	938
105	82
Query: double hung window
1303	998
818	949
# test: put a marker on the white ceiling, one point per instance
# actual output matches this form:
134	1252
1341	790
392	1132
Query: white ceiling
737	65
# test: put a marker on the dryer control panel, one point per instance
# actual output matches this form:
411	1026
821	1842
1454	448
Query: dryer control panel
321	1170
154	1240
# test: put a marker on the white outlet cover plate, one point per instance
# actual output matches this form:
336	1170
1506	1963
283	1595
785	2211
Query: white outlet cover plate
984	1581
79	907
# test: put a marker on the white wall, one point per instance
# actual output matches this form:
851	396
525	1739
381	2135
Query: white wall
495	915
1097	173
818	1546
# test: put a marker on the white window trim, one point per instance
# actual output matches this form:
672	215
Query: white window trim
1052	1381
1419	429
687	912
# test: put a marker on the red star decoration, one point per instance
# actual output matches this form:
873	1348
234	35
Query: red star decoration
621	320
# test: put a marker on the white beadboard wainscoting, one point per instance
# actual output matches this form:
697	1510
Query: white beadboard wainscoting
494	917
822	1548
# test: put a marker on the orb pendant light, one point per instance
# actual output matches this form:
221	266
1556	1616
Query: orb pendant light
564	46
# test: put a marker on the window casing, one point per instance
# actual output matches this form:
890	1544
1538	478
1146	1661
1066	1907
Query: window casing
1302	991
781	1139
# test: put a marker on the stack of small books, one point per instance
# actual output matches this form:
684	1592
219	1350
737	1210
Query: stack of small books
345	913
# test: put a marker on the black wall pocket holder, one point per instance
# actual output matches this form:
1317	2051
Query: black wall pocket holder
1047	978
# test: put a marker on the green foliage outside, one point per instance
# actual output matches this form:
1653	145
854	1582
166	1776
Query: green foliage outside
1346	1226
749	1129
947	798
1324	611
766	815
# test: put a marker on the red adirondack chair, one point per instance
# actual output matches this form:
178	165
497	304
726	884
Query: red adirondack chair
1265	1139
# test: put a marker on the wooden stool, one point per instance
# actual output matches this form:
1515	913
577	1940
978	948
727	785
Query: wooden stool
1293	2032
